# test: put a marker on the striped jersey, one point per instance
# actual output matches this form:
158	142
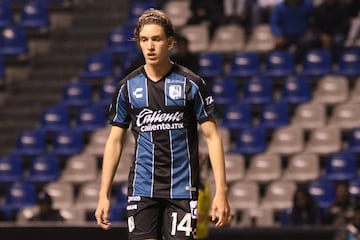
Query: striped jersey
163	116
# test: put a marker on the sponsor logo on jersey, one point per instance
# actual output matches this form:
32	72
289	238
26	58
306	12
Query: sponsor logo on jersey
149	120
131	207
134	198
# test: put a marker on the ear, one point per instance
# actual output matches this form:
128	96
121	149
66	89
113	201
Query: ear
171	42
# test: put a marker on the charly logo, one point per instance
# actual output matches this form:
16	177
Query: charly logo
149	120
138	93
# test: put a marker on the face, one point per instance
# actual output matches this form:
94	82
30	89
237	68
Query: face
154	44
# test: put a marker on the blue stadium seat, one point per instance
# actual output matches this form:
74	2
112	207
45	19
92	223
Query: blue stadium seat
275	115
354	188
20	195
211	64
341	166
11	169
224	91
14	42
55	119
98	65
279	63
244	65
6	14
349	62
257	91
323	191
35	14
237	116
30	143
77	94
251	141
67	143
106	93
90	118
137	7
43	169
316	63
296	90
119	41
353	140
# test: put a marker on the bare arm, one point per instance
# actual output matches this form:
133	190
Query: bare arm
111	160
220	205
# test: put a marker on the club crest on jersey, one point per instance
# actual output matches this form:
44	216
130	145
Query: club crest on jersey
175	91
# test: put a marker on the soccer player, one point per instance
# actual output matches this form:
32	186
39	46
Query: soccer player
163	103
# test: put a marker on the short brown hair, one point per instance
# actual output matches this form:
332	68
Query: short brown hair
154	16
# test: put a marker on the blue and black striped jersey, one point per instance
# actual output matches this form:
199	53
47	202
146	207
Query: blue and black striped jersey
163	116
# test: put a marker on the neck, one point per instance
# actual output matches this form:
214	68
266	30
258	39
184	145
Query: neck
157	72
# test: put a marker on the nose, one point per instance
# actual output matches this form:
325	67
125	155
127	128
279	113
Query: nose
150	45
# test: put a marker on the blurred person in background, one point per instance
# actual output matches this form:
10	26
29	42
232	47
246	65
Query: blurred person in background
352	230
290	25
330	25
46	210
342	210
305	210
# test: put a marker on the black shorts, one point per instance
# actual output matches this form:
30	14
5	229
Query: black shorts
172	219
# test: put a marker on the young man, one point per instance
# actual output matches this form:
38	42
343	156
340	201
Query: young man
163	102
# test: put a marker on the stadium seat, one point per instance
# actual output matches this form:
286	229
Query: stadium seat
296	90
224	91
354	94
35	15
274	115
324	141
251	141
235	167
90	118
279	194
264	167
67	143
11	169
30	143
55	119
119	41
88	195
279	63
244	65
323	191
259	216
20	195
354	188
77	94
106	93
345	116
287	140
316	63
43	169
178	11
61	193
331	89
6	14
197	36
302	167
97	141
227	39
79	169
341	166
243	195
310	115
237	116
353	141
257	91
14	42
261	39
211	64
349	63
98	66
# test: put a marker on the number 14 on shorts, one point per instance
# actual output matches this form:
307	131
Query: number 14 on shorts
184	224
